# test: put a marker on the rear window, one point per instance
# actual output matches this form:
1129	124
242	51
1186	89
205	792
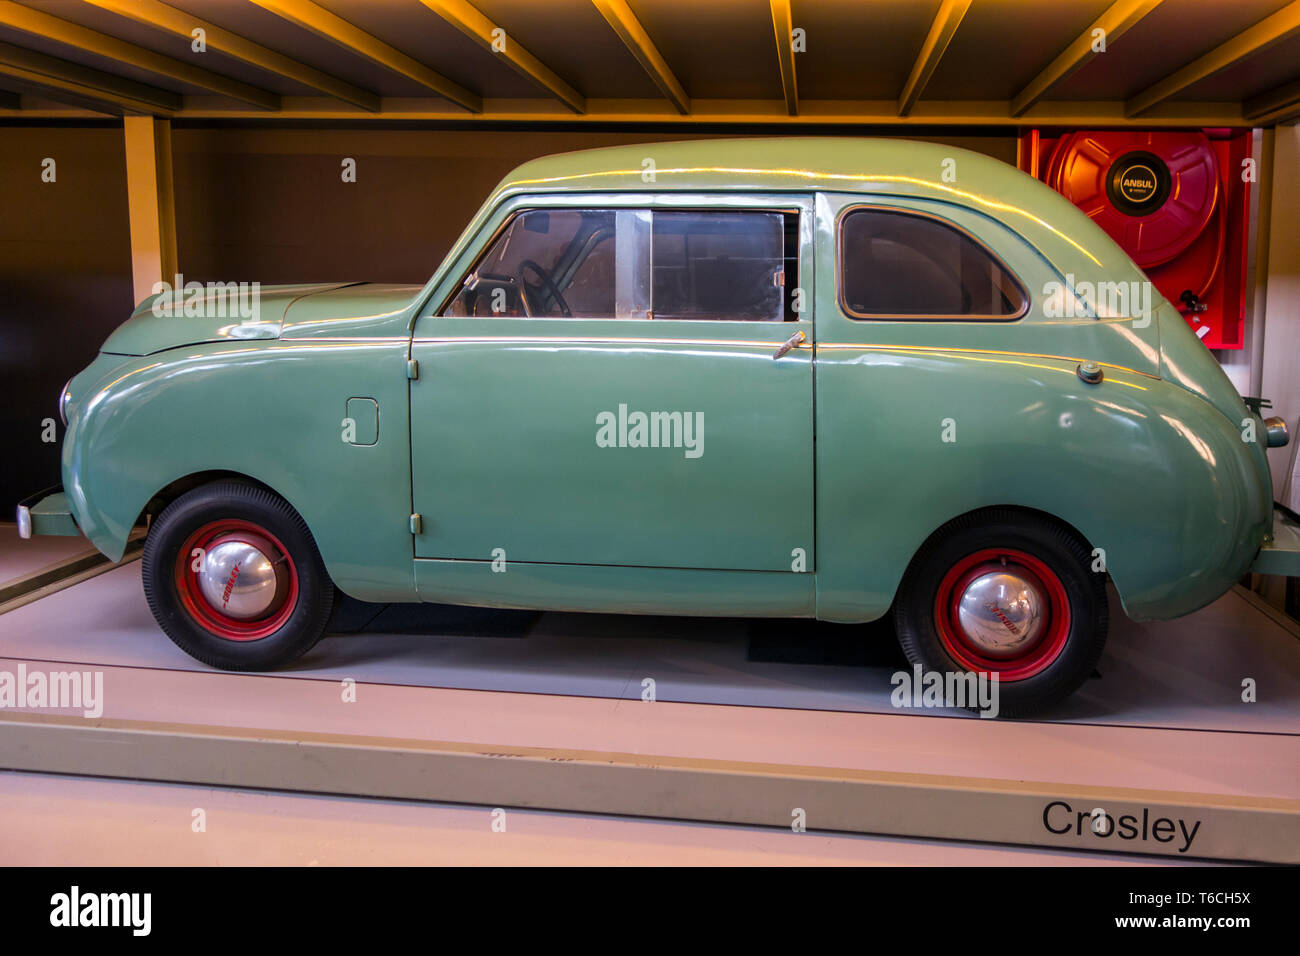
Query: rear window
903	265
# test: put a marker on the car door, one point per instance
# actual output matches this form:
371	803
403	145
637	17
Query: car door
602	386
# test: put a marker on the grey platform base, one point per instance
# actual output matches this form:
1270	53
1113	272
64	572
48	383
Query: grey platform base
558	723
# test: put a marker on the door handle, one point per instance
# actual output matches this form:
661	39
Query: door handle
788	344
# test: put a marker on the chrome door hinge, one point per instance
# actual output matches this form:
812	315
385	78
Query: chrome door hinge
416	524
412	369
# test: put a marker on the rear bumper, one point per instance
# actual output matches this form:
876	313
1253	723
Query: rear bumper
46	512
1281	552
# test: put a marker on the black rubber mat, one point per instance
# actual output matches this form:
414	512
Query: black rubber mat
356	617
820	642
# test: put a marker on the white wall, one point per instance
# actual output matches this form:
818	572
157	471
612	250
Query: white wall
1244	365
1280	381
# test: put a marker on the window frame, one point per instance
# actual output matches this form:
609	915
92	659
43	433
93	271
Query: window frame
1026	300
804	219
786	316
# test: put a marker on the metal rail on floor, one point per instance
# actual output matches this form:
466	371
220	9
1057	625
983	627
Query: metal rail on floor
58	575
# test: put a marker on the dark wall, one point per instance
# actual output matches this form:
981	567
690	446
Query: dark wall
65	282
252	204
270	205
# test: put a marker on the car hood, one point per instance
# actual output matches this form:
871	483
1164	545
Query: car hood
215	312
360	309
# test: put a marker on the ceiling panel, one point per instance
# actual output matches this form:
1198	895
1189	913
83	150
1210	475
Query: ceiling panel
1171	36
718	49
104	64
253	23
573	39
859	53
846	58
1258	74
1003	44
178	48
414	29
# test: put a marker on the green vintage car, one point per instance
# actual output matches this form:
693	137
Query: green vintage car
830	378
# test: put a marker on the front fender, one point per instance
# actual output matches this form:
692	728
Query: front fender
272	412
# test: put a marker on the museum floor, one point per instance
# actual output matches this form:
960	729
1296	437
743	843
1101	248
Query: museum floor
796	713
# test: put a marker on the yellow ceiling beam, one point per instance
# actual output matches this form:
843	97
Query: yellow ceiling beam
1269	31
657	113
1275	105
163	17
942	30
466	18
624	22
84	84
1114	22
46	27
313	17
783	28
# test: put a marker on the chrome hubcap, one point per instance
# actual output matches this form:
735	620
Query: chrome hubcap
1001	613
238	579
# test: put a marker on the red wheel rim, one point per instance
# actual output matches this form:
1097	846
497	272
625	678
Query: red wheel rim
1032	659
202	610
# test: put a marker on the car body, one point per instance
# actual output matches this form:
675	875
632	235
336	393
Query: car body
866	341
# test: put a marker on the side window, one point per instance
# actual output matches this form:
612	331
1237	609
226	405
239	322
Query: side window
723	265
896	264
726	265
545	263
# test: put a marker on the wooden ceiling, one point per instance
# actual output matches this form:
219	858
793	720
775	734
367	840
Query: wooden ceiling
679	62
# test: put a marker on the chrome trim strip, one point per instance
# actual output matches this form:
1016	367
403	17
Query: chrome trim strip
24	522
876	347
600	339
63	402
344	338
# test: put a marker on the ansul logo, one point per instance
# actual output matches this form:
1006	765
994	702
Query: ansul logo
1138	184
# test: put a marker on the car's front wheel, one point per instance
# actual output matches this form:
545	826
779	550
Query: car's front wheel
1008	594
234	578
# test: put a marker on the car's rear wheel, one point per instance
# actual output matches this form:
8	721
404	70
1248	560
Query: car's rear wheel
234	578
1010	594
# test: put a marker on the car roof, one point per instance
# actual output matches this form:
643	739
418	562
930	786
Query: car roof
900	167
786	163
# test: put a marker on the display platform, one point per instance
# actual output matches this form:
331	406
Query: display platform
1181	674
60	820
545	711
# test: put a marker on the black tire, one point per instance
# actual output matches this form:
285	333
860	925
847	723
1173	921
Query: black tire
300	614
1079	638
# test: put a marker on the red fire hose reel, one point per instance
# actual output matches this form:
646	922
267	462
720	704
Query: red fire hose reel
1176	202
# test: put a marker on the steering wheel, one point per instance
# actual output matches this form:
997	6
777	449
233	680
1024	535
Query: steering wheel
547	282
